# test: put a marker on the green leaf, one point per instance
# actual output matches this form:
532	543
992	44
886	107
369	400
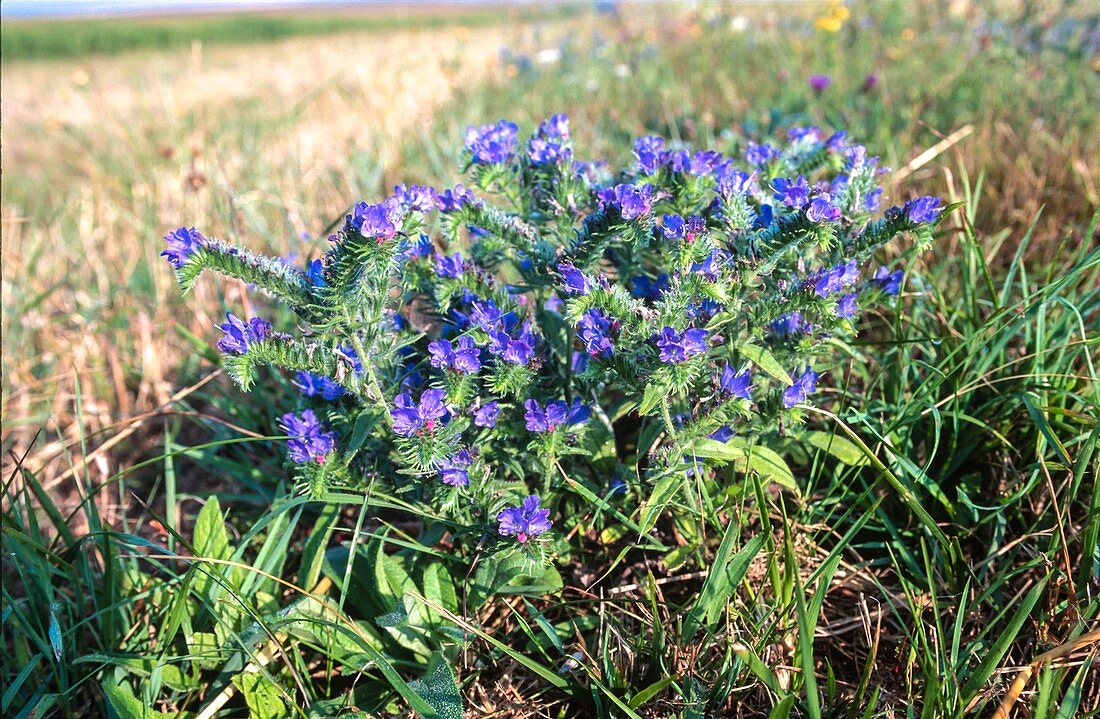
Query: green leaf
726	572
261	695
745	456
211	542
439	689
652	397
122	703
663	492
842	448
766	361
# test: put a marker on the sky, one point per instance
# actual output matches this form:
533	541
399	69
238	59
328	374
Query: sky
70	8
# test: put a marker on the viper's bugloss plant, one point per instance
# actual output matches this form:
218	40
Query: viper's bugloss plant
480	350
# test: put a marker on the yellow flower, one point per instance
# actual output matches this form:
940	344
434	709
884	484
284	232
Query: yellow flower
828	24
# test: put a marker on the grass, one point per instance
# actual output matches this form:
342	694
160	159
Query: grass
35	40
977	401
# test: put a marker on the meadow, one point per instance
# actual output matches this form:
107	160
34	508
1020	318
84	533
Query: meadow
937	556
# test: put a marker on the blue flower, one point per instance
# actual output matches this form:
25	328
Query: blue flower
182	243
833	280
807	134
486	415
315	385
923	209
847	306
408	250
764	218
486	315
239	335
887	281
633	201
449	265
648	150
579	362
409	418
644	288
315	273
722	434
871	202
593	329
673	227
804	385
576	283
308	442
821	209
550	145
525	521
455	470
761	154
730	181
556	414
465	359
553	304
792	193
491	144
675	348
735	384
415	197
707	268
789	324
703	311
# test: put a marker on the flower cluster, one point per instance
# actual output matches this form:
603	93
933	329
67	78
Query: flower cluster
553	323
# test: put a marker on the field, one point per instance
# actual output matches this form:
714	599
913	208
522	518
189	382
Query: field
158	553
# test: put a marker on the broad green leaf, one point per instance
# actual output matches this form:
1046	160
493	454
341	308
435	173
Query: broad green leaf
745	456
211	542
263	697
439	689
842	448
726	572
766	361
122	703
663	492
652	396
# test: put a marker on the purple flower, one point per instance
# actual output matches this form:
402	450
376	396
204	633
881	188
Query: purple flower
553	303
593	328
822	209
819	82
735	384
871	202
415	197
486	315
525	521
239	335
307	443
634	202
556	414
449	265
547	152
454	199
789	324
486	415
834	279
515	350
923	209
730	181
455	470
648	150
847	306
378	221
675	348
490	144
575	281
764	218
869	83
792	193
315	385
409	418
673	227
703	310
407	250
579	362
704	162
465	358
807	134
761	154
803	386
887	281
556	125
182	243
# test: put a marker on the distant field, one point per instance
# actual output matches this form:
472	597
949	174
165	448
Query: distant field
44	39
